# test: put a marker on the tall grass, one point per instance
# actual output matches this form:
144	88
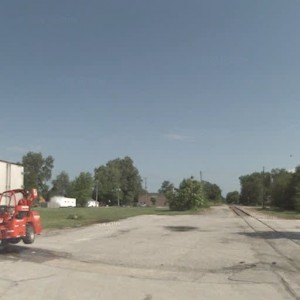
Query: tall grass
280	213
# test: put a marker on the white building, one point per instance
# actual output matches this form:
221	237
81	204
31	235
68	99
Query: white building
92	203
11	176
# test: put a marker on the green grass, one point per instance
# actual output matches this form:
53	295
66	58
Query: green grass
280	213
77	217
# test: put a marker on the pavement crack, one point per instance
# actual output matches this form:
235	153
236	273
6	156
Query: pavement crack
288	288
15	283
12	284
35	278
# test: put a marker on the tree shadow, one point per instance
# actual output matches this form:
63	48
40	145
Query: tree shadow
273	235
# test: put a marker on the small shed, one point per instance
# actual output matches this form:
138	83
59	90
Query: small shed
92	203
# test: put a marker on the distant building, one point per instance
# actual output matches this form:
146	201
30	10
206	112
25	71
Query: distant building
153	199
92	203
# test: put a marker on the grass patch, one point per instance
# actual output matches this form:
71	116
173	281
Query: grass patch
77	217
280	213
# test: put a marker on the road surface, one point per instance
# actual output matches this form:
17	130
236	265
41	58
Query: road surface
215	255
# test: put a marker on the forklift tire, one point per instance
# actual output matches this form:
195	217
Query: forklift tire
3	244
14	240
30	235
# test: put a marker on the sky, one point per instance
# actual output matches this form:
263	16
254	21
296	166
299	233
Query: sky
180	86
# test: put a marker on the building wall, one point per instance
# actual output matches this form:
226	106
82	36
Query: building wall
145	200
11	176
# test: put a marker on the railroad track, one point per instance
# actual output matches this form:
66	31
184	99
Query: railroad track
245	215
269	234
272	237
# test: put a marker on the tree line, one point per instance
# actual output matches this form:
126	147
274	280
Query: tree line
117	182
278	188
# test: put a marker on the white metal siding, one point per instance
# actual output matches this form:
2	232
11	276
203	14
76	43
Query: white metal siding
59	201
11	176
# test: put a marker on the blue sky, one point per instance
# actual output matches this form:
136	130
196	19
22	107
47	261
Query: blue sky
179	86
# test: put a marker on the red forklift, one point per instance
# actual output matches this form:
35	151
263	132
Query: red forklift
18	222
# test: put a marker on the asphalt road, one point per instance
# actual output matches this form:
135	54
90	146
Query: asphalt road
217	255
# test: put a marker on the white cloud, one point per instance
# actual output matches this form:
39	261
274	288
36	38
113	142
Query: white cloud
293	170
20	149
16	149
179	137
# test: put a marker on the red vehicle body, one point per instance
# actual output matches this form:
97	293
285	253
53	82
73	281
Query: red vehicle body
17	220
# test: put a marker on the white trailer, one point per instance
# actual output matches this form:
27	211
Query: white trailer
60	201
11	176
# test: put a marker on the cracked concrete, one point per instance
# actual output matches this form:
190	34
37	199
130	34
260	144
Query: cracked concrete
209	256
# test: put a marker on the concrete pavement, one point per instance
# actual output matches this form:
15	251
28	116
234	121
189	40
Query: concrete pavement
216	255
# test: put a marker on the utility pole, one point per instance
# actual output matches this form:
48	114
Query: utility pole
97	189
118	195
201	188
263	188
145	179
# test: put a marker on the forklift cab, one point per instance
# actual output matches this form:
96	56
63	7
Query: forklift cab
15	201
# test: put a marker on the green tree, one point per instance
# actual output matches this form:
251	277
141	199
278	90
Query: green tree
61	185
82	188
107	181
189	195
254	188
168	189
119	178
233	197
38	171
297	200
130	181
279	187
153	200
291	201
281	190
212	191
